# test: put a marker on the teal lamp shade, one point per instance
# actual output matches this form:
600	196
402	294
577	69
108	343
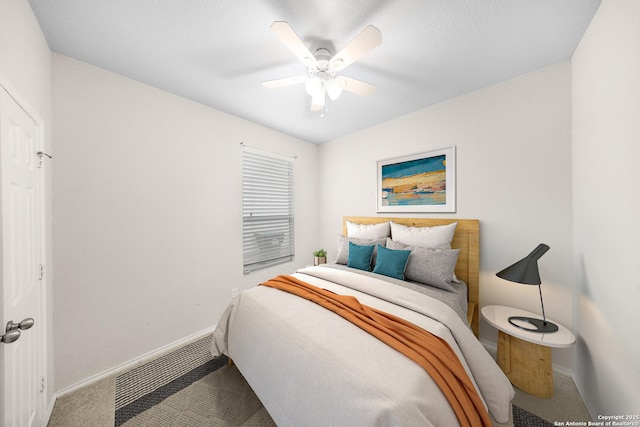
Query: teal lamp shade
526	272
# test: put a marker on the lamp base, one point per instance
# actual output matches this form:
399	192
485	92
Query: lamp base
537	325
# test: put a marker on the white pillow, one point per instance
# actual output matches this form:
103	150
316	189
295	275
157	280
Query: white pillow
438	237
368	231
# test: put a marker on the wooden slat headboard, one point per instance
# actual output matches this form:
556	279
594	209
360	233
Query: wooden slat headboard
466	238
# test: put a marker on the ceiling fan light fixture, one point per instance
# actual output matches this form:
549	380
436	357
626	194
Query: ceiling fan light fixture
334	89
313	86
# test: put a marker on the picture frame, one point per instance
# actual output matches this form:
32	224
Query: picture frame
421	182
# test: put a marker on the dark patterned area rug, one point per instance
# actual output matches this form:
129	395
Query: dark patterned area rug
157	396
187	388
522	418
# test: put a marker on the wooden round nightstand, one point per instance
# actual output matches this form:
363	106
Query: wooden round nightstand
525	356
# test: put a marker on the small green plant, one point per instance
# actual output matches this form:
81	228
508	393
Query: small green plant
320	253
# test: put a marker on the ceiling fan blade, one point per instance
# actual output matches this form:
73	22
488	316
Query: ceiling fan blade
356	86
287	81
318	101
367	40
291	40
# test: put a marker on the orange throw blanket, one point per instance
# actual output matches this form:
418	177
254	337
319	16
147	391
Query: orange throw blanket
429	351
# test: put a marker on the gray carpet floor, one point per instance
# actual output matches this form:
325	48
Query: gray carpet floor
186	388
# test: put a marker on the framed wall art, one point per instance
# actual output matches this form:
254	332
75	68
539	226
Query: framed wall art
422	182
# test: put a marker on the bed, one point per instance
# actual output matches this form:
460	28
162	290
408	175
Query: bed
312	367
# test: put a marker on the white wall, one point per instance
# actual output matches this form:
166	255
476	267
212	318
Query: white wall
606	150
148	216
513	144
25	64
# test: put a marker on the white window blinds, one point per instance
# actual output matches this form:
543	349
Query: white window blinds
267	209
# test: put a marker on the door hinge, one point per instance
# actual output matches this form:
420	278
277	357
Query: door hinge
42	272
43	384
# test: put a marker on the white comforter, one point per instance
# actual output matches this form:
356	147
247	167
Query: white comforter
310	367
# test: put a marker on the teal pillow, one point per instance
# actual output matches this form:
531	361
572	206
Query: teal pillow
391	262
360	256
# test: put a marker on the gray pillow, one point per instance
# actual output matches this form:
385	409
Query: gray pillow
343	247
432	267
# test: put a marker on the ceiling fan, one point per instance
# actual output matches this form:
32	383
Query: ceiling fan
322	80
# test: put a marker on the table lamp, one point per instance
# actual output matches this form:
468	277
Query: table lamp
526	272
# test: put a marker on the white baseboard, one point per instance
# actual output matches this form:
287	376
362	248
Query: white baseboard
126	366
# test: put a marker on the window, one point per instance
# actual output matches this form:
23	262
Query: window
267	209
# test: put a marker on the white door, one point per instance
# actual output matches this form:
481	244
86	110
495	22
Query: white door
21	285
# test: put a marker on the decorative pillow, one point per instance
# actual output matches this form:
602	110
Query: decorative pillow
343	247
391	262
368	231
432	267
360	256
438	237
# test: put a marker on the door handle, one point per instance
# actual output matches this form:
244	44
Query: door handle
12	331
10	336
24	325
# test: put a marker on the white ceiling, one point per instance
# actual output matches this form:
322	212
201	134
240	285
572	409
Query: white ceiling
217	52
